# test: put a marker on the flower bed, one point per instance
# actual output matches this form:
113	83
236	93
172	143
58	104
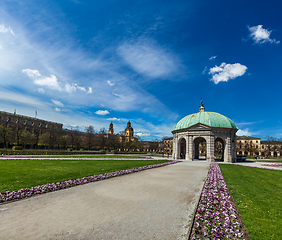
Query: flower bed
28	192
216	217
272	164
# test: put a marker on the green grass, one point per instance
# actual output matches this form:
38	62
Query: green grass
258	196
18	174
86	156
275	161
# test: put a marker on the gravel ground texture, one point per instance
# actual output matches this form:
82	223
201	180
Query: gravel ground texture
153	204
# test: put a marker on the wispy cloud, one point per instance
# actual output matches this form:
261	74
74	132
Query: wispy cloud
113	119
245	132
148	58
212	57
140	134
102	112
56	68
58	103
247	123
261	35
20	99
225	72
3	29
110	83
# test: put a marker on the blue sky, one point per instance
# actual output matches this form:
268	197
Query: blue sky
85	63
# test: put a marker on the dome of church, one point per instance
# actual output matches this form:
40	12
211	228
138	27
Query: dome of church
211	119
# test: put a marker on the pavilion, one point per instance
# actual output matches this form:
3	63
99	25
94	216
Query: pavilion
205	129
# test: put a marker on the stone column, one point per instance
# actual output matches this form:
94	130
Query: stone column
190	148
210	148
175	152
187	148
227	150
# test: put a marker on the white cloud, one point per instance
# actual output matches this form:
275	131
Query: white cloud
102	112
148	58
113	119
142	134
51	82
110	83
225	72
73	87
212	57
261	35
57	109
58	103
5	30
89	90
245	132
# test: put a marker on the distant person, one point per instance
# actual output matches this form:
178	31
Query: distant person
163	154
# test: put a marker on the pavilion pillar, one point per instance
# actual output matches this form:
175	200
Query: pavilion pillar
210	149
190	148
227	151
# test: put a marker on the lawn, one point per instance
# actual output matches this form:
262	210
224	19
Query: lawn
275	161
18	174
258	196
81	156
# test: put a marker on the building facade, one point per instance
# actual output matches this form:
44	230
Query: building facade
252	146
13	120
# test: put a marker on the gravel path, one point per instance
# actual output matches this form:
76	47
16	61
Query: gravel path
152	204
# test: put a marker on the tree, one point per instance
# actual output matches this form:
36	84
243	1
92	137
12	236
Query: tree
26	138
4	134
64	140
45	139
89	137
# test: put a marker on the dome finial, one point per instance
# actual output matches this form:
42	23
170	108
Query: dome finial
202	108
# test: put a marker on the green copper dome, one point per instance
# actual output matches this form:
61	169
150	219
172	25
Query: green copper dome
211	119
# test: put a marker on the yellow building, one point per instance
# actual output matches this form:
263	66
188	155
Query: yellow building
252	146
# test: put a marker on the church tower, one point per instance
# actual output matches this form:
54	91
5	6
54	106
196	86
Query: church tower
111	128
128	132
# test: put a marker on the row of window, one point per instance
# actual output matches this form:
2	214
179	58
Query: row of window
250	141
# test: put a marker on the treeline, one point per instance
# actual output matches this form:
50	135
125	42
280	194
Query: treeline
37	138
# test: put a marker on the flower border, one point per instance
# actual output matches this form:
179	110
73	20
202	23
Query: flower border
216	216
51	187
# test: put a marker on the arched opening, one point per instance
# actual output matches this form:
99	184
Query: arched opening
200	148
219	148
240	152
182	148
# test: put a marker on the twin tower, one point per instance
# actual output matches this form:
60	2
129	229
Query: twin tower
128	132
